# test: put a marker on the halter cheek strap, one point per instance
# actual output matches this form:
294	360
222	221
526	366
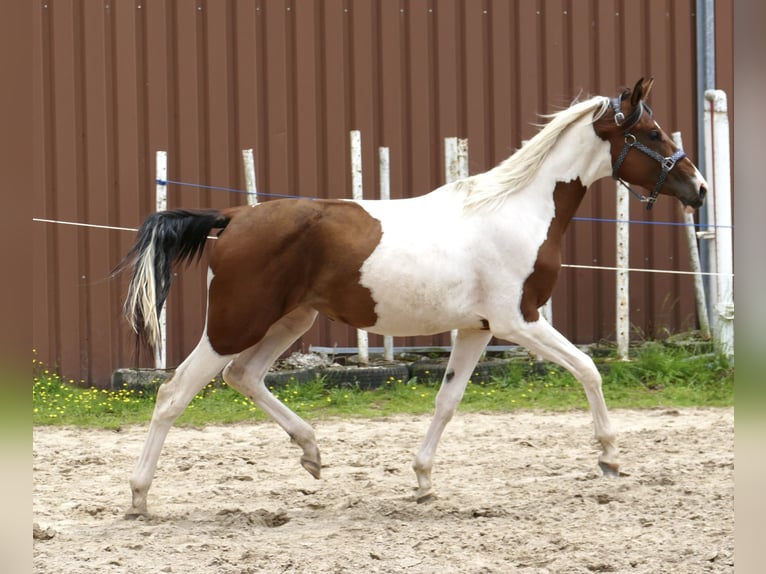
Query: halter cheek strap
666	163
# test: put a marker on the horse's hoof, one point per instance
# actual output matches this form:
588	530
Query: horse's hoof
426	498
610	469
313	467
134	514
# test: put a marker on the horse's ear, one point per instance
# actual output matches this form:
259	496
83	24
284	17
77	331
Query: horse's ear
641	91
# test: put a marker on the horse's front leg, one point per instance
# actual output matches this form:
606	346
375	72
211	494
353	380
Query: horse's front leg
466	351
545	341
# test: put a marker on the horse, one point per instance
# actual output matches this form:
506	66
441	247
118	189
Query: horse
478	256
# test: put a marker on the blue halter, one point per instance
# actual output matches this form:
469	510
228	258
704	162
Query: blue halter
667	163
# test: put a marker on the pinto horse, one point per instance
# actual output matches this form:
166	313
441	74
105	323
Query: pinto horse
479	255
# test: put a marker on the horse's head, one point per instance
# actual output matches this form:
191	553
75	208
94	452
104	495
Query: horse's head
643	154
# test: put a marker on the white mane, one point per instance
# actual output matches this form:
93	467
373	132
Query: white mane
490	188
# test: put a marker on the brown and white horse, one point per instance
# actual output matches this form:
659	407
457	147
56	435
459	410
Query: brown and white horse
479	255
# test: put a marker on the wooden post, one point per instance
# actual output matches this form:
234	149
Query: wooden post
455	168
249	166
161	204
694	257
623	282
362	337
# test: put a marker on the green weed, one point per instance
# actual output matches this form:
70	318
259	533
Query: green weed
658	376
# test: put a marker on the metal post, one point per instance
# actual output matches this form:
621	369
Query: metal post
719	176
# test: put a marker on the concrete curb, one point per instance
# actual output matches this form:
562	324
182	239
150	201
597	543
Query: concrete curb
353	376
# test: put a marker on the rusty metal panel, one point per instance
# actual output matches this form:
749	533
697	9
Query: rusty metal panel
117	81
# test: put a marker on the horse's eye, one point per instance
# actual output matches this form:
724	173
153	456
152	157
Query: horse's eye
655	136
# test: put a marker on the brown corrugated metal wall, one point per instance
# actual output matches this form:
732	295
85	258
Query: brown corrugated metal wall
117	80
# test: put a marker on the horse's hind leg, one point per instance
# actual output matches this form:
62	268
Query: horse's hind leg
172	398
466	351
247	371
545	341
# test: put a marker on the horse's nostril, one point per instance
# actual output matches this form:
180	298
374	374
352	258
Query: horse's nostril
703	191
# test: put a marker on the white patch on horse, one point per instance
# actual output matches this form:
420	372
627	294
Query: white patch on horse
439	263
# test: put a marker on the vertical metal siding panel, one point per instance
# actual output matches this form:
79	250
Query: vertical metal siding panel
125	138
422	118
245	32
80	192
450	65
478	85
186	162
64	196
309	99
364	86
530	64
101	332
502	71
43	339
275	85
392	88
222	127
337	99
608	48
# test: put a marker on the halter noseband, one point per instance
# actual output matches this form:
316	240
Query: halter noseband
667	163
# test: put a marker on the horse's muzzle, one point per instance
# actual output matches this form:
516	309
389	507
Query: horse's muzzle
696	203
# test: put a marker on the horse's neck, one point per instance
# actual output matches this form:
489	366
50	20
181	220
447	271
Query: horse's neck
579	155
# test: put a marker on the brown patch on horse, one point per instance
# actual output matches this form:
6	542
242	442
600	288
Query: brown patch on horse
539	285
282	254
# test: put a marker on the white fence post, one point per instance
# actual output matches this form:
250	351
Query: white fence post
249	167
455	168
719	208
384	158
622	275
694	262
161	204
362	337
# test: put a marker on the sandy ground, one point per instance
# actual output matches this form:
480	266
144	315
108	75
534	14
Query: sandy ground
516	492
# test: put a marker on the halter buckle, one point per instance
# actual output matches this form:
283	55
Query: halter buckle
619	117
668	163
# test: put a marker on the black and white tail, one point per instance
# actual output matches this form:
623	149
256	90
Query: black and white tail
164	239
